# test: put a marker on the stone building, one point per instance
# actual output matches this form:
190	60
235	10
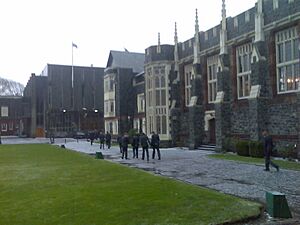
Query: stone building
65	100
119	94
139	116
233	80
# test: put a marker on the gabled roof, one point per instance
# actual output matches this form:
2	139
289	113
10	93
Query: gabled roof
118	59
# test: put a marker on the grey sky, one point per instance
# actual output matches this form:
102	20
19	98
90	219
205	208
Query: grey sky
36	32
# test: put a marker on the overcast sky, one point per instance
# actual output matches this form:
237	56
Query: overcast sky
36	32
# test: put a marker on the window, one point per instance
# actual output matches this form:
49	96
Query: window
206	35
11	126
141	103
4	111
243	58
109	83
214	32
275	4
157	99
188	73
212	65
235	22
247	16
109	108
3	127
112	107
287	60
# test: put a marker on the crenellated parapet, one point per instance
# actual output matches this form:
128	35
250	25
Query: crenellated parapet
166	53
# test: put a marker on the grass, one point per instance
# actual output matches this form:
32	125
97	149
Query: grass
282	163
43	184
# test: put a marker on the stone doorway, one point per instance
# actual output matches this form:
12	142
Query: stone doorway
212	131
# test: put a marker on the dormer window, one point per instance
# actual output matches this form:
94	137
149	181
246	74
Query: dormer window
275	4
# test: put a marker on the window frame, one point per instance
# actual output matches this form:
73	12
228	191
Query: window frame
281	39
188	75
243	69
212	61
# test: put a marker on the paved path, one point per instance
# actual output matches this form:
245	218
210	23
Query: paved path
243	180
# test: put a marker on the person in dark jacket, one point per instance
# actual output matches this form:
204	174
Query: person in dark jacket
268	146
119	140
101	139
135	146
92	137
125	142
145	145
155	141
108	139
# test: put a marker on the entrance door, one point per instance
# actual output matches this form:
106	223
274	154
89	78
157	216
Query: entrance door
212	131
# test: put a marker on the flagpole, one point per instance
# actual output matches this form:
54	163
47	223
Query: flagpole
72	68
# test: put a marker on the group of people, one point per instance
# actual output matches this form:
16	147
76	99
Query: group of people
103	138
139	140
142	140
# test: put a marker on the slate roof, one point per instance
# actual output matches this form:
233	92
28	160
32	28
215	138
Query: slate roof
118	59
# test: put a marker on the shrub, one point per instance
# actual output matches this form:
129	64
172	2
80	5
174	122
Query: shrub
289	151
256	149
132	132
242	148
229	144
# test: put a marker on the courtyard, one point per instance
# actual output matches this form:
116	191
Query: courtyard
197	168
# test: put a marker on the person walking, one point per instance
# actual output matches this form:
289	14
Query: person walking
119	140
155	141
125	142
108	139
101	139
92	137
145	145
135	146
268	146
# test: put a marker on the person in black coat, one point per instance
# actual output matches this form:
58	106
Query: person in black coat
145	145
92	137
135	146
268	146
125	142
119	140
155	141
102	139
108	139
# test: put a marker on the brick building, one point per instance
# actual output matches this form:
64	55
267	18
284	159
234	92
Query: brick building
233	80
12	118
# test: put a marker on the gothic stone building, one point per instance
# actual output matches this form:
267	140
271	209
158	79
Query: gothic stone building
233	80
119	93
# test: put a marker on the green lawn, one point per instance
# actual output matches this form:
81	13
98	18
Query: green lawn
283	164
42	184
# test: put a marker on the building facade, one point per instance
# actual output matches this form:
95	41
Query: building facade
65	99
139	116
13	111
231	81
119	93
35	93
